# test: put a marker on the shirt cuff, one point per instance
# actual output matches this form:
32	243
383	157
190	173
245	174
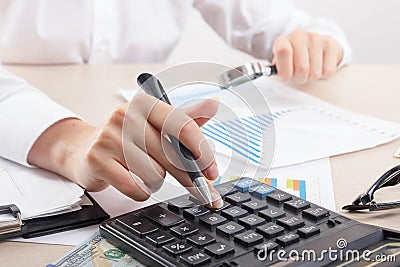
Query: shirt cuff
25	116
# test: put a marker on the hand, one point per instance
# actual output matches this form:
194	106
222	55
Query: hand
305	56
97	157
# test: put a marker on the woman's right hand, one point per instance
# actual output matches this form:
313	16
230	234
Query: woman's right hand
130	141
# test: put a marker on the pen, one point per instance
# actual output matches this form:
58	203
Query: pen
152	86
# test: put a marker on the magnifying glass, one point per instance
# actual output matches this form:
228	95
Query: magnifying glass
245	73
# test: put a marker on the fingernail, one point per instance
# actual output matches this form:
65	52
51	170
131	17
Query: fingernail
142	185
212	172
217	200
216	99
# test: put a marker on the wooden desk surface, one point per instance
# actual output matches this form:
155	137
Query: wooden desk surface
91	91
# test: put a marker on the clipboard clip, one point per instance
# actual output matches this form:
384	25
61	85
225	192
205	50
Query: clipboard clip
10	226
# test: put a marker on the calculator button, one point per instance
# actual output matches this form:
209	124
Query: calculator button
196	201
271	214
139	226
251	221
211	220
279	197
179	204
160	238
224	206
262	191
249	238
234	213
296	205
291	222
229	229
196	258
163	217
195	212
254	205
201	240
237	198
288	239
245	183
307	231
266	247
316	213
177	248
184	230
331	223
226	189
219	250
270	230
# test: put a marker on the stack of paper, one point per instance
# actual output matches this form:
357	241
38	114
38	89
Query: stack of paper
37	192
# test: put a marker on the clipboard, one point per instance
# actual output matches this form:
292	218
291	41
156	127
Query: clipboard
88	215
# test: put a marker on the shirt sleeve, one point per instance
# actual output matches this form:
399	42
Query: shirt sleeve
253	25
25	113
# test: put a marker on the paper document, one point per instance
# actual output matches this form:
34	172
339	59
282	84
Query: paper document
299	127
37	192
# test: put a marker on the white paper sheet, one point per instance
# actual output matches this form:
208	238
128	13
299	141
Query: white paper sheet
36	192
316	173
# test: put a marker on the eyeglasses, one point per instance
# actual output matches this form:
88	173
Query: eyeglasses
366	200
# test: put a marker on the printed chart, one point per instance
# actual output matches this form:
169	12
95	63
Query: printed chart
307	189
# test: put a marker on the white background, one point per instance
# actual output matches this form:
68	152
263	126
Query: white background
371	26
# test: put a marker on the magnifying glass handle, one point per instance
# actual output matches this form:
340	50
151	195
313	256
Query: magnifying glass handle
245	73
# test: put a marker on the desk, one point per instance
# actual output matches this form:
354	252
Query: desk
91	91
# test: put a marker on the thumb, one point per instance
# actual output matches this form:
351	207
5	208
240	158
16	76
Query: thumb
203	111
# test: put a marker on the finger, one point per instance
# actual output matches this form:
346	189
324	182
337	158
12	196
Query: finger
168	120
331	57
216	197
120	178
158	148
301	61
144	166
316	53
203	111
283	58
191	137
128	154
93	184
188	184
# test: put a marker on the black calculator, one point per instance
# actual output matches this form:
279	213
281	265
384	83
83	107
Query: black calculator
258	225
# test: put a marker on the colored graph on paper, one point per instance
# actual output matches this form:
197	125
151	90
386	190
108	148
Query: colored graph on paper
292	186
303	188
245	135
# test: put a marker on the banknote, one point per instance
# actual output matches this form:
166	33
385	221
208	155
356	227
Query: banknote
96	252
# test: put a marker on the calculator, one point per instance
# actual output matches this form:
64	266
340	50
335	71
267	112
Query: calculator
258	225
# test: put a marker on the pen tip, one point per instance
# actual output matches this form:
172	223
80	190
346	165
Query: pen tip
202	187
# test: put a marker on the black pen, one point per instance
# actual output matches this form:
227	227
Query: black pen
152	86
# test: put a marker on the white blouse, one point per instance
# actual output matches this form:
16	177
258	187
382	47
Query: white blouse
107	31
